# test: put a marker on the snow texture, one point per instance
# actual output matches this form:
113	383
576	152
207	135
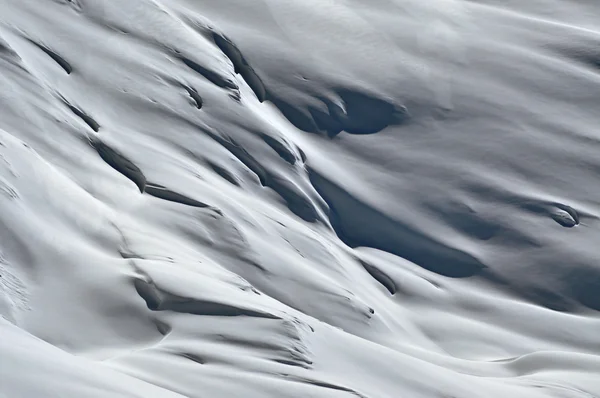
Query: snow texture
299	198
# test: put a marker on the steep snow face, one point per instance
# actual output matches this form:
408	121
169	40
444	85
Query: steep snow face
323	198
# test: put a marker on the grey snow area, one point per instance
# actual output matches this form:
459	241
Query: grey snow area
299	198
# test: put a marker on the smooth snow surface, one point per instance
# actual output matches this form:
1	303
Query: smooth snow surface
299	198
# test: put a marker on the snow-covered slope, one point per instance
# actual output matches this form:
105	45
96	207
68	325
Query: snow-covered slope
294	198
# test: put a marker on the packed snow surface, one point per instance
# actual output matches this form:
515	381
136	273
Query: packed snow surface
299	198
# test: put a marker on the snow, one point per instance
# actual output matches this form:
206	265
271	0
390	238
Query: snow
324	198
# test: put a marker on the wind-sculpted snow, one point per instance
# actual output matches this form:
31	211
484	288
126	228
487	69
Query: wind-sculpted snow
318	198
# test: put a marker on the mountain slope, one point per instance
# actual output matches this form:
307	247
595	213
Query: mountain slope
284	198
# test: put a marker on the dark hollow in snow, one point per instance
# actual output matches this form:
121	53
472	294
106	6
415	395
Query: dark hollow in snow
364	113
357	113
241	66
585	52
209	75
587	288
565	216
74	4
326	385
295	199
163	328
380	277
57	58
299	117
195	96
192	357
5	48
357	224
282	150
159	300
120	163
85	117
164	193
223	173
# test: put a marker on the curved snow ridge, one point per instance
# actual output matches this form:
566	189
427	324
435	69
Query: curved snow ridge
317	198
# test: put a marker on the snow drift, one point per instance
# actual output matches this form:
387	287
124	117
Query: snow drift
323	198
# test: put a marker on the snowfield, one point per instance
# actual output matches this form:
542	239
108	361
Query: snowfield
299	198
